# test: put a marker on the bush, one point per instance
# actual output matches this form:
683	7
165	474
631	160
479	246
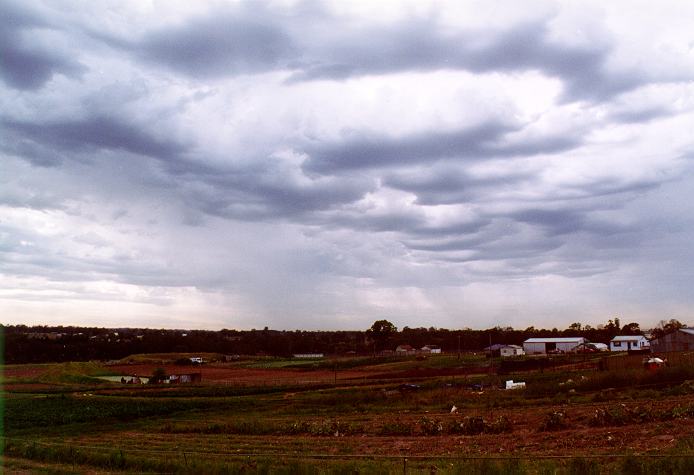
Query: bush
430	426
554	421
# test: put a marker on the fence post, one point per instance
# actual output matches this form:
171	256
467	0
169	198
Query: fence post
185	459
404	466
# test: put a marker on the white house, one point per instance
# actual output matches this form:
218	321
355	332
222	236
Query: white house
405	350
542	346
629	342
431	349
511	350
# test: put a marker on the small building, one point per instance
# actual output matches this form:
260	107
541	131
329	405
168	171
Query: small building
494	350
629	343
308	356
196	360
678	340
507	351
433	349
185	378
405	350
543	346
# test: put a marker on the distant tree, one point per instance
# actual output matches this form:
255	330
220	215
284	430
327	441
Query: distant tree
632	328
666	326
381	331
575	327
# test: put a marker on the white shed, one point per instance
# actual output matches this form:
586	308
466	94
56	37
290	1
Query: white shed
431	349
542	346
629	342
511	350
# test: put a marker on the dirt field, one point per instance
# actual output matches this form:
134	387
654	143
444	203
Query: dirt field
243	418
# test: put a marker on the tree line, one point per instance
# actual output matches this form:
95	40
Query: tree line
35	344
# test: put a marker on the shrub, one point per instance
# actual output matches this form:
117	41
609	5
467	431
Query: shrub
430	426
477	425
554	421
501	425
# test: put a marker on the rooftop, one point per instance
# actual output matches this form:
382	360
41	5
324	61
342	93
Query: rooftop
556	340
627	337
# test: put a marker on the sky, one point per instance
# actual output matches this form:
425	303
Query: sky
322	165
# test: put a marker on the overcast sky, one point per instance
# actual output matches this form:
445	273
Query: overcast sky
321	165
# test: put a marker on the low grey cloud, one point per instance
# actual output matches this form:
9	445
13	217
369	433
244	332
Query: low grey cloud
99	132
219	45
487	140
421	45
24	63
314	44
450	184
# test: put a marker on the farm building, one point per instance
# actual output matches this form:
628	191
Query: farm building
308	356
629	342
679	340
405	350
511	350
185	378
495	349
542	346
431	349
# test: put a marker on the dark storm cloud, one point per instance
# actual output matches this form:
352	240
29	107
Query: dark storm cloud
264	193
246	39
25	64
487	140
422	45
95	132
253	38
449	185
218	46
375	151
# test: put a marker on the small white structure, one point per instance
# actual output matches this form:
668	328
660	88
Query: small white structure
308	356
405	350
434	349
196	359
517	385
511	350
629	342
543	346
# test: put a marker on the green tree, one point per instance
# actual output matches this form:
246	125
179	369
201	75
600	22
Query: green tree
666	326
632	328
381	331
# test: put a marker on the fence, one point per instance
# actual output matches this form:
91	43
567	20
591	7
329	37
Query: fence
622	362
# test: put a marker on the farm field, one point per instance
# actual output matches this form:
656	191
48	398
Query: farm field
345	416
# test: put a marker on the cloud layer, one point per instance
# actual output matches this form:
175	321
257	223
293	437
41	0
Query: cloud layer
303	165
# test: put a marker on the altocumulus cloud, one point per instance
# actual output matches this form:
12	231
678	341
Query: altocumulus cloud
321	165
